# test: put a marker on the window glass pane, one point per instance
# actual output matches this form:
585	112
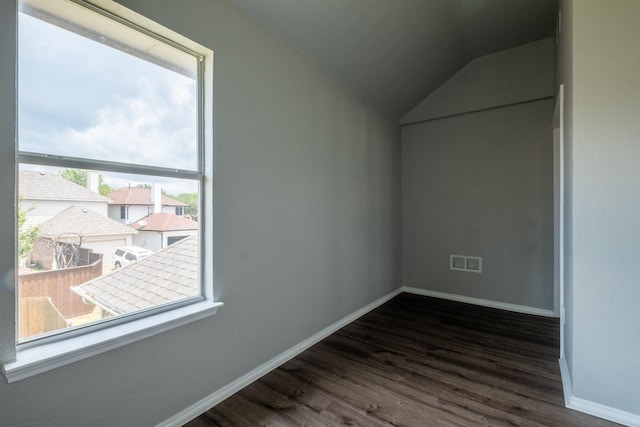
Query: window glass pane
80	262
94	97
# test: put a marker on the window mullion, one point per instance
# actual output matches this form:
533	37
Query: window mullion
103	165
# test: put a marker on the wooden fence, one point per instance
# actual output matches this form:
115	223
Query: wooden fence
56	284
38	316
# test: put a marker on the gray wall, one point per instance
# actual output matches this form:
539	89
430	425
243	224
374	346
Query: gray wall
306	214
8	40
480	184
603	65
513	75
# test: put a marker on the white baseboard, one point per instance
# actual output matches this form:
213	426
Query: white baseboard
218	396
483	302
567	389
593	408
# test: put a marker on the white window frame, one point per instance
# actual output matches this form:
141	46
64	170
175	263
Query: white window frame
37	356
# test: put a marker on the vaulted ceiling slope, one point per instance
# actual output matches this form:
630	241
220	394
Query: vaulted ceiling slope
396	52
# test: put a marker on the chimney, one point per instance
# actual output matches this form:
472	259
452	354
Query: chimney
156	197
93	181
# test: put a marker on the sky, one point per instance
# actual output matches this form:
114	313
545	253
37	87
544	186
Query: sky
80	98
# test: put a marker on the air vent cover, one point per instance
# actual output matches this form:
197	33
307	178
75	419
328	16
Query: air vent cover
472	264
458	262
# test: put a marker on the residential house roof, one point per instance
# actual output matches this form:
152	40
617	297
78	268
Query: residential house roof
164	222
139	196
78	220
48	186
169	275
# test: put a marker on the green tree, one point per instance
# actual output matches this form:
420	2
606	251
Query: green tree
103	188
190	199
80	177
77	176
26	236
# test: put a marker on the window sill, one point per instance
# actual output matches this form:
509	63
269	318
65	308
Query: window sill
45	357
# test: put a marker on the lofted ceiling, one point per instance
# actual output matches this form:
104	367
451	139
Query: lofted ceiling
396	52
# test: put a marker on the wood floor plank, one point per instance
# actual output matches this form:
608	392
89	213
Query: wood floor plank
438	387
443	352
426	393
416	361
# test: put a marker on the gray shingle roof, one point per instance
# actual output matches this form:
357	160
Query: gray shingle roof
167	276
77	220
48	186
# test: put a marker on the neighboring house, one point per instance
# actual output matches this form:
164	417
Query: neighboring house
45	195
159	230
80	226
129	204
167	276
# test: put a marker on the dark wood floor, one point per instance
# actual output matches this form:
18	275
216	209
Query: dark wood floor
415	361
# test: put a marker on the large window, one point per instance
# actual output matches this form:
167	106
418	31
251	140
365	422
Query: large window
112	125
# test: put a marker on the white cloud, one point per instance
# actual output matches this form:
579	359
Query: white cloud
81	99
144	129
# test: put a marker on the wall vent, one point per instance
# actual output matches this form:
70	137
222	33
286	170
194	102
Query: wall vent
458	262
472	264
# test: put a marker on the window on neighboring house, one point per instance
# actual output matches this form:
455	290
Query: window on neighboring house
119	105
174	239
179	210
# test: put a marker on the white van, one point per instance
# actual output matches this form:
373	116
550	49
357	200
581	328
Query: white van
125	255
